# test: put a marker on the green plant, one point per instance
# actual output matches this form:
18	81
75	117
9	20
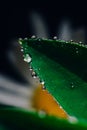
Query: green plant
63	68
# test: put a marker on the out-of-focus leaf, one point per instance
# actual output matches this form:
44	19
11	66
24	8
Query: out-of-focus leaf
63	67
19	119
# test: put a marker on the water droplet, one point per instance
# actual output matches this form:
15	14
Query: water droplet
44	87
72	119
30	68
25	48
42	113
25	38
71	40
33	37
20	40
39	39
72	85
80	42
34	77
34	74
27	58
22	50
60	107
42	82
55	37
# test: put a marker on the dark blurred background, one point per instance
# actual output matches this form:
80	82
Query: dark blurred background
66	20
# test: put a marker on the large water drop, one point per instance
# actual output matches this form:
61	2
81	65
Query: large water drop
27	58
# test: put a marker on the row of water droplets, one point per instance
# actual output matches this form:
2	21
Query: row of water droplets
28	59
55	39
35	76
72	42
71	119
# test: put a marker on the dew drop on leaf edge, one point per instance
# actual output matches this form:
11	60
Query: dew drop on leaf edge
27	58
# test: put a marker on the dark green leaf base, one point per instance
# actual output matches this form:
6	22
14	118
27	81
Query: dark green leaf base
19	119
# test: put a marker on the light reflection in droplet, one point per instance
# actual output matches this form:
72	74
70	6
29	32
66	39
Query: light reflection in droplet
27	58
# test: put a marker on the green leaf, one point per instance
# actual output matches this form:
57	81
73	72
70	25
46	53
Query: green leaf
63	67
19	119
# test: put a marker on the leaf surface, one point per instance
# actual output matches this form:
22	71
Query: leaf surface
63	68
